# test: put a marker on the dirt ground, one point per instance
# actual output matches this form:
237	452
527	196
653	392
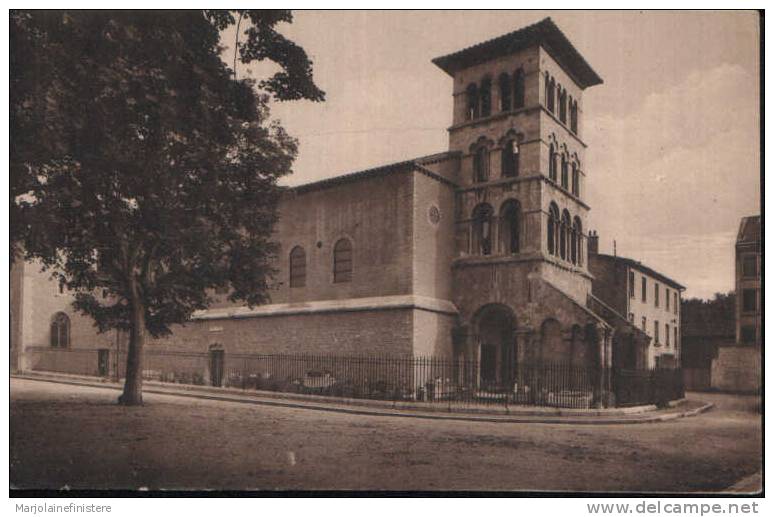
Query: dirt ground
78	437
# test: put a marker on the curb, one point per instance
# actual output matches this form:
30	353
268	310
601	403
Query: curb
593	419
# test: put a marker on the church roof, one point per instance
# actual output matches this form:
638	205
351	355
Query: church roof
544	33
416	164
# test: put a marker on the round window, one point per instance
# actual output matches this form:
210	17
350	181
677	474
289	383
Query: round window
434	214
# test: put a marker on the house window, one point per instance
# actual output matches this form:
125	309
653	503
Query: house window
510	159
552	162
565	184
510	223
298	267
644	289
675	341
666	333
748	334
631	284
656	292
666	297
481	164
655	331
518	89
486	97
482	230
675	304
342	261
505	92
749	300
750	266
471	111
60	330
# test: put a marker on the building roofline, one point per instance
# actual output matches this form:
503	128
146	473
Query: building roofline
544	33
416	164
639	265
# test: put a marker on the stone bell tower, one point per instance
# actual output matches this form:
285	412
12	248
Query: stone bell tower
520	204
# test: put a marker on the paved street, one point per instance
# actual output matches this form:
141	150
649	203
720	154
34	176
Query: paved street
64	435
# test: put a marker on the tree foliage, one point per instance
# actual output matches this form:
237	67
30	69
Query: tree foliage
142	173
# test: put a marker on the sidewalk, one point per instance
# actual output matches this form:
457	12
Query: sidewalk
512	414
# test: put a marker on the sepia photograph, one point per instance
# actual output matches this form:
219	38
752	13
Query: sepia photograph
372	252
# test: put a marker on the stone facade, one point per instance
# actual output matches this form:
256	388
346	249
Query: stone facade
647	299
475	253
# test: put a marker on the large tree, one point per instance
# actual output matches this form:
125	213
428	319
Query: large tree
144	174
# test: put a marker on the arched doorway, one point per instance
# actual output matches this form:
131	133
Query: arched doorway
496	345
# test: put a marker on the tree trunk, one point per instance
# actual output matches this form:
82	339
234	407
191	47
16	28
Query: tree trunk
132	395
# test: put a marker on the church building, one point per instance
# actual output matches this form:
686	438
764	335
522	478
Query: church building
476	253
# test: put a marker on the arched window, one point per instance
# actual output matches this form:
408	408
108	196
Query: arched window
471	110
574	116
297	267
563	106
564	231
575	179
565	184
342	261
577	233
518	89
553	223
60	330
510	159
482	230
481	164
552	162
486	97
551	94
505	92
510	226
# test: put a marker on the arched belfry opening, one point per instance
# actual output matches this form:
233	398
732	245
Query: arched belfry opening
495	344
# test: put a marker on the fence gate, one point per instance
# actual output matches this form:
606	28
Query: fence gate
216	367
103	362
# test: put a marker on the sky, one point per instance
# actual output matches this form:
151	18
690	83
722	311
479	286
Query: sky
673	134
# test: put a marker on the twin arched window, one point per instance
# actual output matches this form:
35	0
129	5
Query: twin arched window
483	228
512	91
60	330
564	235
567	106
342	261
297	267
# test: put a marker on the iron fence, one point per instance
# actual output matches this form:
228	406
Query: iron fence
432	380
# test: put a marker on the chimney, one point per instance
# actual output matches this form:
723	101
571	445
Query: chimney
593	245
